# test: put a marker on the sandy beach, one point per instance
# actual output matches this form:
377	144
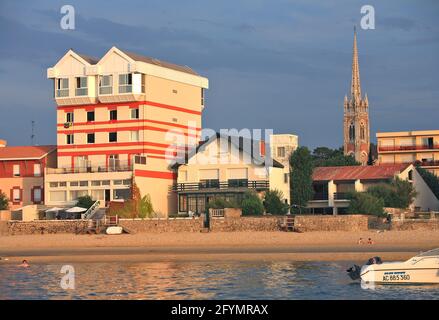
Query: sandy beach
318	246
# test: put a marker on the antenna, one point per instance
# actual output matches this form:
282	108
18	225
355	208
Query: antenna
32	136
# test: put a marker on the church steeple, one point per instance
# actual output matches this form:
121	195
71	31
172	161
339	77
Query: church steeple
355	83
356	115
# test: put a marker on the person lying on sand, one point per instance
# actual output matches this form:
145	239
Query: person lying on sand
24	264
360	241
369	241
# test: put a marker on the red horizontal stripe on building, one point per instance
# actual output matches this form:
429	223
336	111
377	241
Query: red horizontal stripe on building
129	121
134	128
121	144
129	104
108	152
154	174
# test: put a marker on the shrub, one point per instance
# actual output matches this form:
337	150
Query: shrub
273	202
221	203
252	204
135	208
301	170
4	201
365	203
85	202
398	194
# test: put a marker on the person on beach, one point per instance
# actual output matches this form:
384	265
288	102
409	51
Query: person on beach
369	241
24	264
360	241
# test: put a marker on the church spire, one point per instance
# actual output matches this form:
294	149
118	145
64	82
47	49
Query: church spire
355	84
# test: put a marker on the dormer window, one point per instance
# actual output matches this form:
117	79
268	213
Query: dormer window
62	87
106	84
81	86
126	83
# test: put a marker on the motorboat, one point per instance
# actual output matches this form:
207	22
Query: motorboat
421	269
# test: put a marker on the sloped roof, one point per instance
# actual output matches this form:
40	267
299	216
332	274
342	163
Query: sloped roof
138	57
89	59
239	144
358	172
25	152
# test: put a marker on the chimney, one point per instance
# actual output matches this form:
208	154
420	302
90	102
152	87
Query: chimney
3	143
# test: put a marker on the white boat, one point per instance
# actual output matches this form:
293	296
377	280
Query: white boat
421	269
114	230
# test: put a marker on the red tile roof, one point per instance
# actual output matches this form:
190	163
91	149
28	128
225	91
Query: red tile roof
358	172
25	152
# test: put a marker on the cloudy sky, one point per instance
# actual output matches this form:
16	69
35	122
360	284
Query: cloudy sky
278	64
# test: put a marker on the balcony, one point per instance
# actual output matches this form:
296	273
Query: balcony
408	148
428	163
79	92
319	196
221	186
118	167
341	196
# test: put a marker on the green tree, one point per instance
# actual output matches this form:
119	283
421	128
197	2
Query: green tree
301	170
144	207
221	203
252	204
430	179
85	202
398	194
326	157
273	202
4	201
365	203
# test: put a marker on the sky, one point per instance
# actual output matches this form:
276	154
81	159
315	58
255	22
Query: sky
279	64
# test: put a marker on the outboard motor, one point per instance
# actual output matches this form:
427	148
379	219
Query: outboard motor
354	272
374	260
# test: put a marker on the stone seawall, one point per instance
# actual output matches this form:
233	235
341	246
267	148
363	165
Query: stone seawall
306	223
418	224
45	226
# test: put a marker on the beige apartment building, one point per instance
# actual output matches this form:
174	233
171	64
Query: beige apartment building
227	167
410	147
121	118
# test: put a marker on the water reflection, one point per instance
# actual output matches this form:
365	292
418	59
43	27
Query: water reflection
199	280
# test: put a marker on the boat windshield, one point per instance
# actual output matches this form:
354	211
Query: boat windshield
434	252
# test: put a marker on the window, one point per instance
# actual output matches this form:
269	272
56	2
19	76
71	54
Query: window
81	86
134	136
69	117
62	87
351	132
113	161
90	138
69	139
138	159
112	136
96	183
53	184
113	114
74	183
410	177
105	182
16	195
125	83
117	182
202	96
362	132
90	116
236	183
16	170
210	183
135	113
83	183
281	152
286	177
37	170
57	196
106	84
37	195
62	183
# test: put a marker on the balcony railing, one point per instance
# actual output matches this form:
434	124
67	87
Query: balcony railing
92	169
221	185
428	163
105	90
60	93
320	196
341	196
125	88
409	148
81	91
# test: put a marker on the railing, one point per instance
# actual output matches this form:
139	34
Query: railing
125	88
91	211
105	90
62	93
320	196
408	148
81	91
91	169
428	163
222	185
341	196
217	213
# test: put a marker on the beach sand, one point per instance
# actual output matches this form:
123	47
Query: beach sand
316	246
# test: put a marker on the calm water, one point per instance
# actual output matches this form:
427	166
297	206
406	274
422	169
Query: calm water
199	280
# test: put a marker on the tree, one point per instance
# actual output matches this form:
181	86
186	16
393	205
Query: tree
221	203
252	204
85	202
398	194
301	170
430	179
365	203
326	157
273	202
4	201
